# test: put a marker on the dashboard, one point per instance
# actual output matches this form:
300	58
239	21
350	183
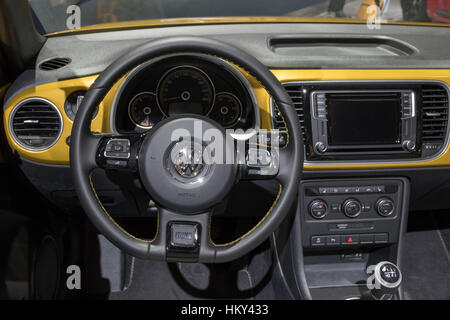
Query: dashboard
227	94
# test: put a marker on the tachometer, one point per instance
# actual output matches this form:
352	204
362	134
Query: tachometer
227	109
143	110
185	89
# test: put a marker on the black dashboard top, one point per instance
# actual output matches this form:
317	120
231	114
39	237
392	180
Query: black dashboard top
398	47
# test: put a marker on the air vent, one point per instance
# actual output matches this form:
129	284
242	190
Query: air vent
54	64
435	114
296	94
36	124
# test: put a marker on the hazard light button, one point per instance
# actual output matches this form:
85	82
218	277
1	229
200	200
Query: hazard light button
350	239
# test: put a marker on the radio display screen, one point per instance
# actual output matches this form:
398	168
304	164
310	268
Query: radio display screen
363	120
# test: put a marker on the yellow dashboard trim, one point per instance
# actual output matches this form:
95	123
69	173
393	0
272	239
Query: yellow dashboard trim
55	92
58	91
3	90
123	25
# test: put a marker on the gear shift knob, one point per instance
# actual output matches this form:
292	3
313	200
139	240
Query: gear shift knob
387	277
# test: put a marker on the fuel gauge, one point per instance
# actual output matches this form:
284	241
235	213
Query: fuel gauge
143	110
227	109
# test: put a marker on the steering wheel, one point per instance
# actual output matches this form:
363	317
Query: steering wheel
185	193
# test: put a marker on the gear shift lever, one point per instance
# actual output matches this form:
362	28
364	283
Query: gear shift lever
387	278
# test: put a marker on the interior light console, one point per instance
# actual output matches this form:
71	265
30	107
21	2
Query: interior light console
349	213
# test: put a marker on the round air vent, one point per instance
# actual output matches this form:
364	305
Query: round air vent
54	64
36	124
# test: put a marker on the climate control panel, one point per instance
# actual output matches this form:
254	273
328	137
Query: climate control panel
351	208
337	209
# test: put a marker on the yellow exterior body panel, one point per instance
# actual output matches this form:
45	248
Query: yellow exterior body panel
139	24
57	93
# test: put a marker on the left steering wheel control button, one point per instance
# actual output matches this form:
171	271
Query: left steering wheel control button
118	149
184	235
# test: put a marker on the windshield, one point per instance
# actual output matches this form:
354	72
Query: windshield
59	15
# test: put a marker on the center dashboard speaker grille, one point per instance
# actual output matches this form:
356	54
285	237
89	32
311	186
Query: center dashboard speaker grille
36	124
296	94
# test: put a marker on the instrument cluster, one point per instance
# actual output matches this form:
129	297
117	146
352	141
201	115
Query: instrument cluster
184	85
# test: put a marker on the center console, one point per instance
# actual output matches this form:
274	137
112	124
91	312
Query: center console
349	222
350	213
347	228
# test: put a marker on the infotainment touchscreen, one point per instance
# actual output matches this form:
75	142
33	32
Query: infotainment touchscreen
363	121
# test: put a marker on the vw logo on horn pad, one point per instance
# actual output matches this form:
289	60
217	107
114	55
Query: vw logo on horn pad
187	159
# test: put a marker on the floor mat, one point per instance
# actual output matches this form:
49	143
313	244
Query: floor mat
182	281
425	260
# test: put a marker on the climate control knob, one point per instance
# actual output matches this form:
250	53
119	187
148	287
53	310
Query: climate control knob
385	207
318	209
352	208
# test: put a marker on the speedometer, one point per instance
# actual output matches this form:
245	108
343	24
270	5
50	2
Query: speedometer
185	89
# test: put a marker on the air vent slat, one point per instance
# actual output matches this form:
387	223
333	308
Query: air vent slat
36	124
296	94
435	101
435	113
54	64
34	116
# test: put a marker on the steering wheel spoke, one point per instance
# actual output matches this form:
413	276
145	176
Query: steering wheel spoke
118	152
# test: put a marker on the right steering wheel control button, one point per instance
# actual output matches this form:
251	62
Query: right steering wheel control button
385	207
352	208
318	209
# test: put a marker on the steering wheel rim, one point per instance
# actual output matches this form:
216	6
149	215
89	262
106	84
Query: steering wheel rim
84	147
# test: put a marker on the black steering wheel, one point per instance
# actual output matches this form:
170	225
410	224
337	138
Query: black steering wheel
185	194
